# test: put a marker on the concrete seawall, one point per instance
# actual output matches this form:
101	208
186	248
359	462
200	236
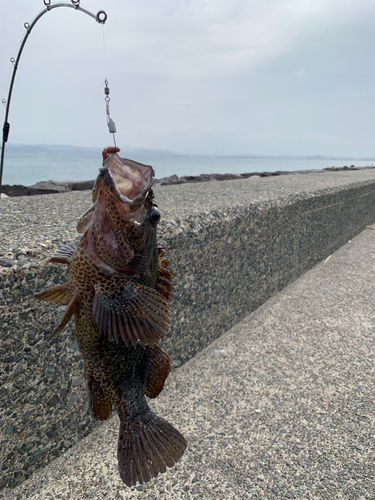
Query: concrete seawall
233	245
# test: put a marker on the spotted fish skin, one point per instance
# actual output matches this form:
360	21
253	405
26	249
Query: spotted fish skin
118	291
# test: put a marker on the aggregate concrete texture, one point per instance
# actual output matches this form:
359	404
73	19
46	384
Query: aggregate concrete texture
280	406
233	245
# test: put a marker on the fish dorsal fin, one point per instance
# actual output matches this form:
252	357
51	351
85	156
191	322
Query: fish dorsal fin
163	285
64	254
58	294
160	367
135	313
85	220
96	188
161	251
164	273
163	262
70	310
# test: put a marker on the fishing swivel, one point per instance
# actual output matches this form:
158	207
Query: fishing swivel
110	122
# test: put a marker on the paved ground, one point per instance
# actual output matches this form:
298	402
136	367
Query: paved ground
281	406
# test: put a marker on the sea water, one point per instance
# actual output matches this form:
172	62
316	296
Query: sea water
29	168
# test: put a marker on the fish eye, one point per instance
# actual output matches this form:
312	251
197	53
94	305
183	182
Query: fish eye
155	215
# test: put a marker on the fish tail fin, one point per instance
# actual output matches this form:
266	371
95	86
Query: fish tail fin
146	448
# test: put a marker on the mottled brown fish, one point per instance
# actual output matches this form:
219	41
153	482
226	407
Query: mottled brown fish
118	291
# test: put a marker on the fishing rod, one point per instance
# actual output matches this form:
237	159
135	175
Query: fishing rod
100	17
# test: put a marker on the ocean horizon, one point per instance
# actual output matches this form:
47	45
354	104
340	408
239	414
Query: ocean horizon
27	165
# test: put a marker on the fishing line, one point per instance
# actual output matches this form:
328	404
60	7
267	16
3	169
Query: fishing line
110	122
105	53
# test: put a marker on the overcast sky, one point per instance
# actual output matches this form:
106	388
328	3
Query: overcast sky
212	76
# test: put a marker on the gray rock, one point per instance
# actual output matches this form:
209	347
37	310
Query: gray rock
74	346
199	178
9	430
53	186
194	224
82	185
78	382
15	190
225	177
72	400
179	181
22	261
171	178
54	400
6	262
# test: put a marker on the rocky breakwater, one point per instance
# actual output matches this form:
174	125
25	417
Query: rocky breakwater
53	186
174	179
46	187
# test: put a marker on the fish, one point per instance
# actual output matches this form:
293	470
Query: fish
118	291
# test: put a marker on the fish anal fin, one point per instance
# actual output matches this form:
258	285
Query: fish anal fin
70	310
160	367
141	315
100	405
64	254
147	448
58	294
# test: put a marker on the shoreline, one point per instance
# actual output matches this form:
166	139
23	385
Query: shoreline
54	186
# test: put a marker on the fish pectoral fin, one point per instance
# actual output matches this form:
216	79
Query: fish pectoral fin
100	405
160	367
66	318
58	294
135	313
85	220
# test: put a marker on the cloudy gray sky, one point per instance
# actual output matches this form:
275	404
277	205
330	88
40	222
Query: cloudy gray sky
212	76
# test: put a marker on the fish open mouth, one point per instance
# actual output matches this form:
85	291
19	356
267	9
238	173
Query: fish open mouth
129	180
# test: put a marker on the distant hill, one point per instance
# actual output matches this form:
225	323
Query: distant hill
66	150
63	149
